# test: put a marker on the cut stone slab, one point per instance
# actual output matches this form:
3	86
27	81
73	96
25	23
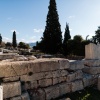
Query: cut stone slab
6	70
45	82
11	89
25	96
64	88
52	92
92	70
77	85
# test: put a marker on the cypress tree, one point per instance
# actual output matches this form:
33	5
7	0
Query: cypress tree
0	39
52	36
14	43
66	38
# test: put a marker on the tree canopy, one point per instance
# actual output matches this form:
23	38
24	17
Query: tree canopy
52	37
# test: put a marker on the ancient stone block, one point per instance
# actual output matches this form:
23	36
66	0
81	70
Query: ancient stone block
92	70
6	70
48	74
52	92
92	51
55	81
45	82
20	68
25	96
64	88
33	77
62	79
11	79
98	85
77	85
74	76
76	65
16	98
37	94
11	89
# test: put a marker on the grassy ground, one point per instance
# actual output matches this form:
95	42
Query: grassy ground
86	94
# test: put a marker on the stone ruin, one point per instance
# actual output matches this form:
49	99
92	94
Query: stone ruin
46	79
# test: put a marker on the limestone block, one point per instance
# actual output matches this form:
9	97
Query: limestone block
6	70
34	67
89	80
92	63
62	79
63	73
52	92
98	83
92	51
74	76
11	79
55	81
45	82
64	88
20	68
37	94
31	58
92	70
29	85
77	85
11	89
25	96
76	65
33	77
64	63
48	74
49	65
16	98
56	73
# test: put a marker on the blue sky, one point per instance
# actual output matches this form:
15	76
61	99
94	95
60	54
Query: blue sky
28	18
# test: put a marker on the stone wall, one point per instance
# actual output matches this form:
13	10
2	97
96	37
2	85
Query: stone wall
45	79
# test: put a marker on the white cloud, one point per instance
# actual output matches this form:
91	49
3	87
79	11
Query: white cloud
15	31
38	30
70	17
5	39
70	29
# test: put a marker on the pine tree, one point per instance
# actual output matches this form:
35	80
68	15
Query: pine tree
14	43
52	36
66	38
0	39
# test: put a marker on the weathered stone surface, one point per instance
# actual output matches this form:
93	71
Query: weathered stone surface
98	85
11	79
64	88
92	70
45	82
52	92
25	96
74	76
92	51
76	65
62	79
92	63
6	70
20	58
29	85
33	77
31	58
37	94
11	89
20	68
55	81
64	63
63	73
16	98
48	74
77	85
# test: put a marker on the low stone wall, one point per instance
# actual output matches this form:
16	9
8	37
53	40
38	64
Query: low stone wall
45	79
